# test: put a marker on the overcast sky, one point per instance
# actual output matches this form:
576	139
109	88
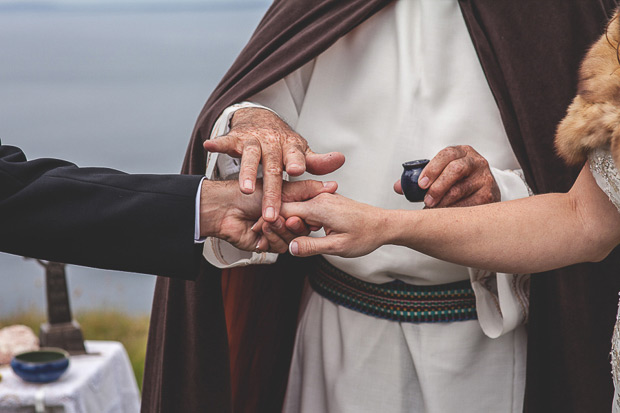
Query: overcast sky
100	2
11	5
115	87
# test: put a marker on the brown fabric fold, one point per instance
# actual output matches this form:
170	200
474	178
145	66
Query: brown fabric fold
224	342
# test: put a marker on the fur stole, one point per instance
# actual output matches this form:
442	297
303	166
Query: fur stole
593	118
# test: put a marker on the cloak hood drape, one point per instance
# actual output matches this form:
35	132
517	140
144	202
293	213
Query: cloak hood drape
224	341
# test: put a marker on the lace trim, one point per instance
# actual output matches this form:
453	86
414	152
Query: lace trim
615	359
520	174
606	174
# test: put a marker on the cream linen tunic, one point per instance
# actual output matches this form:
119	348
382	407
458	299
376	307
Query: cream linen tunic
403	85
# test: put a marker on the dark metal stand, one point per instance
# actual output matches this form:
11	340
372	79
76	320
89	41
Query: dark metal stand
61	330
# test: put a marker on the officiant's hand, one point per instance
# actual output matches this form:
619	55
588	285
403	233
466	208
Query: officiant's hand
228	214
258	135
457	176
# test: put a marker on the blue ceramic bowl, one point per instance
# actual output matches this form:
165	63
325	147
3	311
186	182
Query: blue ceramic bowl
409	180
42	366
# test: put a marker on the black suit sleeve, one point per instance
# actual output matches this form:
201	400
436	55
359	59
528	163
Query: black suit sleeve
97	217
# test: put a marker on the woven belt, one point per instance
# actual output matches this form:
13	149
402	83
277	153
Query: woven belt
396	300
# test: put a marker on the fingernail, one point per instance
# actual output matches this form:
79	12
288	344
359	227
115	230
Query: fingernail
329	184
423	182
247	184
294	248
429	201
253	227
297	225
277	224
270	213
294	166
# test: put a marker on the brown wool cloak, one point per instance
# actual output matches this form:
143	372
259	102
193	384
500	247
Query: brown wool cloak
224	342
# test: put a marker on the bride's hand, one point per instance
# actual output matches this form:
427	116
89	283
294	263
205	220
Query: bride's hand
228	214
352	228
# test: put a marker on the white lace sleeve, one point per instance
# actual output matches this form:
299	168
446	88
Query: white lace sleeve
606	174
607	177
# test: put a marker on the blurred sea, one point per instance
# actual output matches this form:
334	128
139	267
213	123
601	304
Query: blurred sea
116	86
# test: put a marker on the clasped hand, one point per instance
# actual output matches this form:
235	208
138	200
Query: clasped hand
456	176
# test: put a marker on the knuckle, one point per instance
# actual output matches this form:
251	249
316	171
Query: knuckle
456	168
310	247
272	139
490	197
449	151
482	162
252	150
456	192
273	169
294	140
271	194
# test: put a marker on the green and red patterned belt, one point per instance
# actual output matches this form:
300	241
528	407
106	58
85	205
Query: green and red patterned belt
396	300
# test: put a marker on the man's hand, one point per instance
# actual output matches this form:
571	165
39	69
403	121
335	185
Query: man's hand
457	176
258	135
228	214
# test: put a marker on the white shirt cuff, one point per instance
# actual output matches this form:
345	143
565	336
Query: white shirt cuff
197	238
511	184
502	300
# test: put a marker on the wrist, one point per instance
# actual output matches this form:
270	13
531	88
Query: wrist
251	116
215	198
397	226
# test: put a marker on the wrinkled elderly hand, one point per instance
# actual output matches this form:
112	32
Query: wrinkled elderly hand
228	214
258	135
457	176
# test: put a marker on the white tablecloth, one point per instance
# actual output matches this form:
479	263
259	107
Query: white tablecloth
95	383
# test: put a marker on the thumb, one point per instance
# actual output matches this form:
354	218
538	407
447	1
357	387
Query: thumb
223	144
323	163
308	189
307	246
398	188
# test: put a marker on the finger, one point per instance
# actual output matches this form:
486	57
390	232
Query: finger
457	193
229	144
272	182
297	226
480	197
307	189
258	226
477	198
250	159
303	210
294	155
276	242
323	163
307	246
262	244
454	172
435	167
398	187
287	235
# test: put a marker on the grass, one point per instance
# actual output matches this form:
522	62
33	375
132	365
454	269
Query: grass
101	325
